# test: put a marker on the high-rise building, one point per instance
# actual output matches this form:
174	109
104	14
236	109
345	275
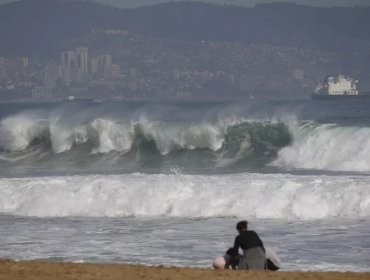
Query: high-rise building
67	59
94	65
21	62
68	65
82	59
105	60
2	68
104	65
51	75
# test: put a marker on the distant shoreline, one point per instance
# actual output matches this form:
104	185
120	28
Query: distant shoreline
42	270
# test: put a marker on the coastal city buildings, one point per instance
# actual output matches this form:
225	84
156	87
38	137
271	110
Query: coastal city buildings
76	72
77	67
13	69
167	70
82	59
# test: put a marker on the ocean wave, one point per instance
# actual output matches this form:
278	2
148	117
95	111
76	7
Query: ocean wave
255	196
145	137
18	132
223	142
327	147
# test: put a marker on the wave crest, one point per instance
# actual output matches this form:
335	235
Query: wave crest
19	131
327	147
218	143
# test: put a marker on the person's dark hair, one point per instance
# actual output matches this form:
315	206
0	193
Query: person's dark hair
232	252
242	225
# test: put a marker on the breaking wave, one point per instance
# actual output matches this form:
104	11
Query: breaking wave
219	143
243	195
327	147
135	140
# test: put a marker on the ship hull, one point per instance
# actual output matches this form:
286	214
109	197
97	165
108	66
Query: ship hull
360	96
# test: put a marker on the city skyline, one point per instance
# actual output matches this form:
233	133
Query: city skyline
77	69
127	55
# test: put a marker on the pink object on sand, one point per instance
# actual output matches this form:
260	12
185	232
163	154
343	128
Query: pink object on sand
219	263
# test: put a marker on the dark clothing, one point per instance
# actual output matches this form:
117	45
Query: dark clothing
270	265
253	250
247	239
233	258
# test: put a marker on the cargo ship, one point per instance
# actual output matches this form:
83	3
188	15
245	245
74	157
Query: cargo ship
340	87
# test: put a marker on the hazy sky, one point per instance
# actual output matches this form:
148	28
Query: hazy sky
136	3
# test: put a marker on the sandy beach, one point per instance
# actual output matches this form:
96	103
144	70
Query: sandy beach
41	270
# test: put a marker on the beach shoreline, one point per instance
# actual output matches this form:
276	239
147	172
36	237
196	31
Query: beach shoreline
42	270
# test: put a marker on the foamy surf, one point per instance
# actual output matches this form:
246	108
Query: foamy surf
327	147
255	196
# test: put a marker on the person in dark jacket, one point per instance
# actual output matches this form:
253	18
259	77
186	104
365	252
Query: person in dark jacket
254	256
232	258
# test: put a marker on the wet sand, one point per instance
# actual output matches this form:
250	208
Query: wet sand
40	270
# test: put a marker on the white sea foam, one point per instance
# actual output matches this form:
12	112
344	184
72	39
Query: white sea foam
113	136
17	132
120	136
327	147
108	134
169	137
314	146
63	137
243	195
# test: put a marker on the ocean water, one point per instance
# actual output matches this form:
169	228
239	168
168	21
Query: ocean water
165	183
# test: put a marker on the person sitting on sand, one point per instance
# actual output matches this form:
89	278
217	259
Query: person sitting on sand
254	256
232	258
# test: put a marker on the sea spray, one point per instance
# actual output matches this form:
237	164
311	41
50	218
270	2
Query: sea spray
94	137
327	147
248	143
255	196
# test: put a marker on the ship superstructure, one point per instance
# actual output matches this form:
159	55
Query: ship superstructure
337	88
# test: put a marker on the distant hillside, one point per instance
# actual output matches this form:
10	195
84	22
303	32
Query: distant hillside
40	27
